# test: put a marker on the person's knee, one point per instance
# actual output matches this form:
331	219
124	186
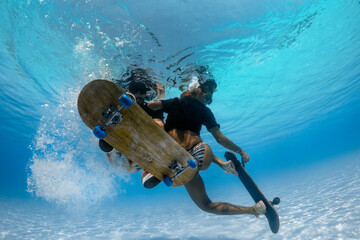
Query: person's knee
205	206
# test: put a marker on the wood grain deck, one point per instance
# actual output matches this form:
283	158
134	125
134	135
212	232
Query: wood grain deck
137	136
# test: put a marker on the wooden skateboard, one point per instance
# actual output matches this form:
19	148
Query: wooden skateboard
256	194
114	116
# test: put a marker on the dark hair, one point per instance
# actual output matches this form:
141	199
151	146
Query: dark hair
138	74
208	85
139	87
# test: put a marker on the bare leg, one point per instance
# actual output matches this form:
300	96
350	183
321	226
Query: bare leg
196	189
209	157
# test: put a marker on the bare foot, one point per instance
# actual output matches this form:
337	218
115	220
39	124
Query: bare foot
259	208
245	157
229	168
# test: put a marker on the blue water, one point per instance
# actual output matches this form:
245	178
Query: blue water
288	77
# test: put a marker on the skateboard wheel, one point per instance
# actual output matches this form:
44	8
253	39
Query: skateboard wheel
168	182
104	146
99	132
192	163
126	101
276	201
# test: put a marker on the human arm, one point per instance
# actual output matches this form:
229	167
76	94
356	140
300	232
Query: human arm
227	143
156	112
160	90
155	105
159	122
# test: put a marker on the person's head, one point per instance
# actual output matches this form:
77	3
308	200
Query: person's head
138	89
207	89
208	86
203	92
139	74
141	79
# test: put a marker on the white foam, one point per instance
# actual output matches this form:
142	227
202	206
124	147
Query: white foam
194	83
67	165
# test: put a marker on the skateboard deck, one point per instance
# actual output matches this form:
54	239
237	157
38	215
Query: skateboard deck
131	131
256	194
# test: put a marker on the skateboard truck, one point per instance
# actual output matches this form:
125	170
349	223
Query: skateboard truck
113	115
178	168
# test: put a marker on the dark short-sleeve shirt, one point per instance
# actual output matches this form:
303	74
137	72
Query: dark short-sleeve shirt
188	113
153	113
